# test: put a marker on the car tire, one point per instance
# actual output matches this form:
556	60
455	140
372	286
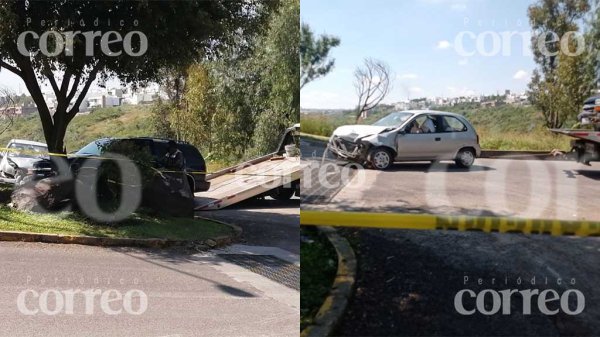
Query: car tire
465	158
282	193
381	158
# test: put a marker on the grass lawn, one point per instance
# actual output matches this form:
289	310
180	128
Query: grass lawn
138	226
318	267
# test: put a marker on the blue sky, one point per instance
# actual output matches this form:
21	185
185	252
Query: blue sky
417	39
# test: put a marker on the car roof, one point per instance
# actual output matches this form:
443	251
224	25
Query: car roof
432	112
142	138
27	142
159	140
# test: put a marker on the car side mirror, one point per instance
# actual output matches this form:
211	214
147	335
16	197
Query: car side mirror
402	132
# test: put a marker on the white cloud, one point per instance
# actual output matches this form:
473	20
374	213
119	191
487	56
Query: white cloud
459	91
455	5
444	44
459	7
409	76
463	62
415	90
520	75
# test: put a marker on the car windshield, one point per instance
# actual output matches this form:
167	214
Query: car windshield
27	150
93	148
394	119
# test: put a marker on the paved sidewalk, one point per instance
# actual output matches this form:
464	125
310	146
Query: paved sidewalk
199	295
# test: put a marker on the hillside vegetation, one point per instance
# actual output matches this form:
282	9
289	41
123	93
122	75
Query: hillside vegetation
500	128
125	121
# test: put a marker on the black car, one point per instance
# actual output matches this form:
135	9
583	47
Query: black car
194	162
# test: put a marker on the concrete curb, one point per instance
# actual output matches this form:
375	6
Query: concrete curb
335	304
216	242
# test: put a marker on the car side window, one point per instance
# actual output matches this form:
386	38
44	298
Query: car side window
452	124
422	124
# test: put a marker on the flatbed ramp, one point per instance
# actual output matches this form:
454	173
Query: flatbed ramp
588	135
248	180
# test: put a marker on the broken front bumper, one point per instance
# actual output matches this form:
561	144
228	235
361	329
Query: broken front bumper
347	149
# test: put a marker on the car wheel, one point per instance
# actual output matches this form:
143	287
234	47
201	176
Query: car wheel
465	158
381	158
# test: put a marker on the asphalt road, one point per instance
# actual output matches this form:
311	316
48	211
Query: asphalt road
407	280
265	222
187	295
497	187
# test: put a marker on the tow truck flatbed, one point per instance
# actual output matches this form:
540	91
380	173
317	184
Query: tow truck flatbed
248	180
273	172
585	147
587	135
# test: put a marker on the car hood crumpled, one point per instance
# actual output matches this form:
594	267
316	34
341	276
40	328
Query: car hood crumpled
25	162
351	132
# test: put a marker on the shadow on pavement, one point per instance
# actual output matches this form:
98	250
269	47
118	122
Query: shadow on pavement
427	167
176	258
591	174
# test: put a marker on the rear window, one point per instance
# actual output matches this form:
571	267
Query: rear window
452	124
192	156
93	148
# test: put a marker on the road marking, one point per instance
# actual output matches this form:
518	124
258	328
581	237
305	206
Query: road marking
442	222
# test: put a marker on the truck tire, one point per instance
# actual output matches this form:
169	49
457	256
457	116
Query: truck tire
282	193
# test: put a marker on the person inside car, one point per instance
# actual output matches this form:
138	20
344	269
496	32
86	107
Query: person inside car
414	128
427	126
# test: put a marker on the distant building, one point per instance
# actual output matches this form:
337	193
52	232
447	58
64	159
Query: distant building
103	101
18	110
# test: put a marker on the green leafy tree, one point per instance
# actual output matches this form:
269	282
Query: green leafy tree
592	37
196	117
562	79
314	55
178	32
237	106
280	66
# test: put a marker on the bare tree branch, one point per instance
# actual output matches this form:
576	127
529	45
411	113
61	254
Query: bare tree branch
7	102
90	79
74	87
10	68
372	84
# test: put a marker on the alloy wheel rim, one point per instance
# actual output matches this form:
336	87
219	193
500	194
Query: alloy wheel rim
467	158
382	159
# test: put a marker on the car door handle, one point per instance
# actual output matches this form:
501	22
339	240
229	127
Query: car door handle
438	139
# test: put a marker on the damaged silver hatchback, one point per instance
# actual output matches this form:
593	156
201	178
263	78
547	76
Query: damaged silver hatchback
421	135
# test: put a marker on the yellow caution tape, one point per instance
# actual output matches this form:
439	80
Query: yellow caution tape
443	222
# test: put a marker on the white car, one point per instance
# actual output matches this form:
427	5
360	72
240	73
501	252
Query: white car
19	157
420	135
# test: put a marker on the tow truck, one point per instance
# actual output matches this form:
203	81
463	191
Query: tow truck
276	175
585	147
